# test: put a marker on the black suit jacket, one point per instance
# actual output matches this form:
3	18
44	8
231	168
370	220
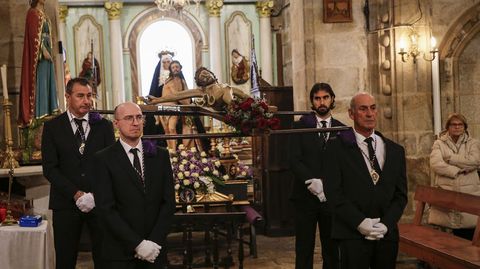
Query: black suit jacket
307	157
129	212
352	194
67	170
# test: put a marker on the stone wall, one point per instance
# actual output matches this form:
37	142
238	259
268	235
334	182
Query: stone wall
350	59
335	53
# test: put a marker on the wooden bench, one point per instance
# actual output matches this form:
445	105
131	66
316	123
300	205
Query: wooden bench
438	248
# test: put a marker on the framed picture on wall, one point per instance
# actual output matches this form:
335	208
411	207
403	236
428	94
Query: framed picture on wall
337	11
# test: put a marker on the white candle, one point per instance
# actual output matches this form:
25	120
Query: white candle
4	81
437	111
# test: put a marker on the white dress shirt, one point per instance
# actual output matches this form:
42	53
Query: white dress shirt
378	146
328	125
127	148
86	125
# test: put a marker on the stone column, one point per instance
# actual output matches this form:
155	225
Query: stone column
300	100
116	57
215	43
62	36
264	9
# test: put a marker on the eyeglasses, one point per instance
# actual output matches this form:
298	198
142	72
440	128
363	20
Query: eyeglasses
132	118
456	124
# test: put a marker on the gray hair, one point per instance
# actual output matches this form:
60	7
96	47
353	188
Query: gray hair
354	97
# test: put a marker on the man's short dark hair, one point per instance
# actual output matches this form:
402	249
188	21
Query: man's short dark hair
73	81
322	87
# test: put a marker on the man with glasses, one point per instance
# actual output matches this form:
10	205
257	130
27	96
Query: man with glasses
135	195
69	142
311	207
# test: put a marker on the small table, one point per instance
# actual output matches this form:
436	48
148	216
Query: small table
224	220
27	247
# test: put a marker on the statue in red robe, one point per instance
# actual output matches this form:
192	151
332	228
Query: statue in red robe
38	96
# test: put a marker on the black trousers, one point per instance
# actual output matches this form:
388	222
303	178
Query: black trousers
67	228
365	254
307	218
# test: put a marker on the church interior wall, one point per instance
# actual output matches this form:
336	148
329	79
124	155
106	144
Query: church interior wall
342	54
351	60
130	12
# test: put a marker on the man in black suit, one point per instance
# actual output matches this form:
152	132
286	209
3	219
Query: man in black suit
69	142
367	188
308	153
135	195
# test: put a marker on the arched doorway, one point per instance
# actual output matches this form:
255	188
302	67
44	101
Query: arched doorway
157	37
460	68
148	17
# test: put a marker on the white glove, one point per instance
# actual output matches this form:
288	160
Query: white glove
147	250
321	197
86	202
316	186
382	230
366	228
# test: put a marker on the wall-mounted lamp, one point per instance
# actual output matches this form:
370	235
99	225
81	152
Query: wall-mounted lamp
413	51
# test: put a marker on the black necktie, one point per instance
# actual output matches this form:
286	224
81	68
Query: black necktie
372	156
80	133
323	135
136	162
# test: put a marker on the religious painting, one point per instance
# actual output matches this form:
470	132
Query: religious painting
337	11
88	42
240	68
238	35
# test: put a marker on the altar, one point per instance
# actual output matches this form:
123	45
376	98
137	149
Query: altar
27	247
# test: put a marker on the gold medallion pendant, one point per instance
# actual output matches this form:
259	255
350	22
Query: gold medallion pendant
375	176
82	148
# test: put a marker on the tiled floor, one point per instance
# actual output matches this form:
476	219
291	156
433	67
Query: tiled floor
273	253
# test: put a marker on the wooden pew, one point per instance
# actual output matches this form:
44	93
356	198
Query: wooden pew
438	248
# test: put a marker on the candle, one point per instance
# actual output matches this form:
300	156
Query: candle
4	81
437	111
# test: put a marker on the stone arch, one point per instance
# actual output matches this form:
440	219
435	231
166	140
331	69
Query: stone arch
456	40
151	15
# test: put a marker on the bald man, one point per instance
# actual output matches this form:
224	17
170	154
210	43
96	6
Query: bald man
135	195
366	187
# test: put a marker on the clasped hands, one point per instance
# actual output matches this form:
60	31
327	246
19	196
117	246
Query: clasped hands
147	251
86	202
316	188
373	229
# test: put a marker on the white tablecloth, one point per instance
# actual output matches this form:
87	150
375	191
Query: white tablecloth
27	248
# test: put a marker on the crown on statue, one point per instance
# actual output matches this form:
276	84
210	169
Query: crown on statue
166	52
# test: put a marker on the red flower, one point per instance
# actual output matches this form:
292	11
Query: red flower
247	104
262	123
274	123
229	119
246	127
264	106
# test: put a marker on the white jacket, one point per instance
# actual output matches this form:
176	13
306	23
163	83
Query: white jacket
455	167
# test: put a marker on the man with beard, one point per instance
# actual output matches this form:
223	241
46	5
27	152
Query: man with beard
173	85
308	153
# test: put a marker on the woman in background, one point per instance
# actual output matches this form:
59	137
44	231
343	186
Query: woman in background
455	159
